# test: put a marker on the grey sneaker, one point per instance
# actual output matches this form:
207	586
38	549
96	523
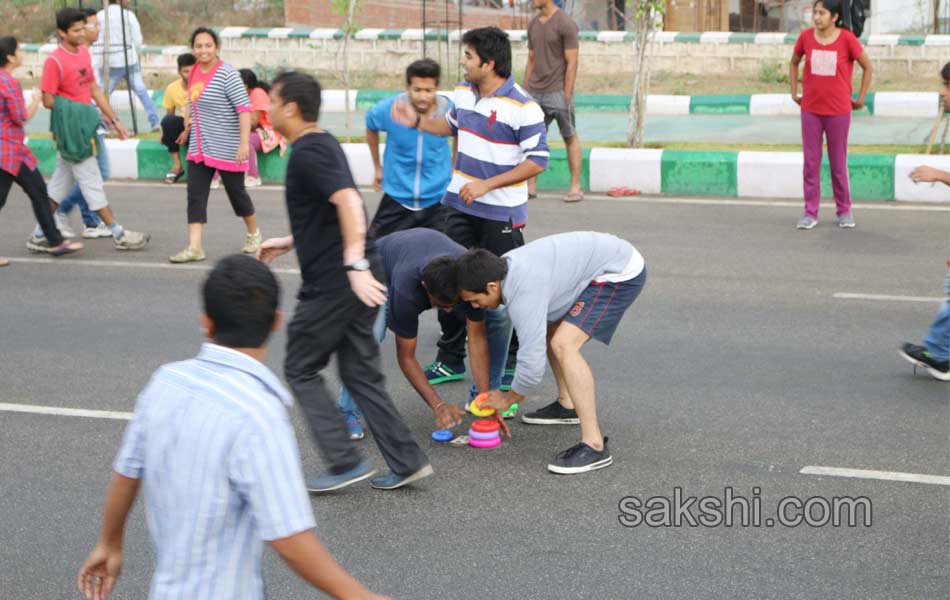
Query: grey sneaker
62	223
187	255
846	221
807	222
37	244
252	242
132	240
100	231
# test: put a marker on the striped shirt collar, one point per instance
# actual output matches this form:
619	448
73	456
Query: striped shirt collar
229	357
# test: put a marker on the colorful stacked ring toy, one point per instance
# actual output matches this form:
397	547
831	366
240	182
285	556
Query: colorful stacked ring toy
484	433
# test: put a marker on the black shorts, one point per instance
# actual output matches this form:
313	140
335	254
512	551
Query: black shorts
498	237
599	308
391	216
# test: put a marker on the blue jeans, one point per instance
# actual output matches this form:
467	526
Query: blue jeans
89	218
498	328
937	341
117	74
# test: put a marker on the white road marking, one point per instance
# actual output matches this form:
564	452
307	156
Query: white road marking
881	475
69	261
65	412
886	297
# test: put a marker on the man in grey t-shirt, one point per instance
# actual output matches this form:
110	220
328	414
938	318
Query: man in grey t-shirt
549	77
560	291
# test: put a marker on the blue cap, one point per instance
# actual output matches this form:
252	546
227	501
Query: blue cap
442	435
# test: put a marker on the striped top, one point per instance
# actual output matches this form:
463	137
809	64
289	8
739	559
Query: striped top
212	441
215	99
495	134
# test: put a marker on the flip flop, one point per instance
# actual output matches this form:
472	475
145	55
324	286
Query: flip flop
4	262
172	177
532	196
574	197
622	191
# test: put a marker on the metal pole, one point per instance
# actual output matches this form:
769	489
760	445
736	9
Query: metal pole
128	74
105	47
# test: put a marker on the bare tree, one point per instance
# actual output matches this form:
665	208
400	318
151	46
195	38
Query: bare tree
648	19
348	9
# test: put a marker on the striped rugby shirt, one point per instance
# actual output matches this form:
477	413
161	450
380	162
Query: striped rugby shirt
213	444
495	134
215	128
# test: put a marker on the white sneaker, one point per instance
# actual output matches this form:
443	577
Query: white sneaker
216	184
252	241
100	231
62	223
250	182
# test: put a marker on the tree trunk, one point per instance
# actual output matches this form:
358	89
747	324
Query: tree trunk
106	48
641	79
347	32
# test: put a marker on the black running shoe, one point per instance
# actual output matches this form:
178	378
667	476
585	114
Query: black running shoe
552	414
919	357
581	459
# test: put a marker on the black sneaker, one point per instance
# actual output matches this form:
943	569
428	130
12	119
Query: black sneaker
919	357
581	459
552	414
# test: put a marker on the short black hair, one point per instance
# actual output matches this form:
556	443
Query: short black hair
301	89
491	43
241	297
8	46
479	267
945	72
186	60
441	280
425	68
66	17
200	30
89	12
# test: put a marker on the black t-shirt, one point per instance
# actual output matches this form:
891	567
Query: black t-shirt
405	255
316	170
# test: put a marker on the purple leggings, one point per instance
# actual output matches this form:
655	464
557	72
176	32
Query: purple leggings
255	143
814	128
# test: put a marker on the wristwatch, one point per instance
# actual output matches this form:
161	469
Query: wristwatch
360	265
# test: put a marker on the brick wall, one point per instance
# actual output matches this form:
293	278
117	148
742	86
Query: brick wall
397	14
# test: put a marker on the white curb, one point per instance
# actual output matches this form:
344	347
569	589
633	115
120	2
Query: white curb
619	167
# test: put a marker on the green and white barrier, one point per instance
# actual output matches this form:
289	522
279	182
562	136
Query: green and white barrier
670	172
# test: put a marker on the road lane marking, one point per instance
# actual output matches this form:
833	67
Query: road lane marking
36	409
886	297
880	475
130	264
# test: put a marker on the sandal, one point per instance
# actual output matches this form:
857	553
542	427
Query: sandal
622	191
4	262
172	177
574	197
532	196
67	247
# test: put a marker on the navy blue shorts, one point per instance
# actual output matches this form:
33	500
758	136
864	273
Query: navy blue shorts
599	308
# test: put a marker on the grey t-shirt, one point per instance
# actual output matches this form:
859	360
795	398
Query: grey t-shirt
544	279
549	40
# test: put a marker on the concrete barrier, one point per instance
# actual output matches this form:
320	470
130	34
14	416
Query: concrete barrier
671	172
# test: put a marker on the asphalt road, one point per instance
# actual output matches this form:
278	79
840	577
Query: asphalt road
737	367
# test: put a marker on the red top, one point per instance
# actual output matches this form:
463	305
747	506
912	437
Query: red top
69	75
13	150
826	86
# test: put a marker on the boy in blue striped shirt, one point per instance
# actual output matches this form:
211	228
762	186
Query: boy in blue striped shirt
212	444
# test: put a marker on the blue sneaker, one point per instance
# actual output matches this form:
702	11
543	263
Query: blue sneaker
353	426
329	482
506	380
439	372
392	481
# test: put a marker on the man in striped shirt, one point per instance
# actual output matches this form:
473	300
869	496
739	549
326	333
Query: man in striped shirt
502	142
212	441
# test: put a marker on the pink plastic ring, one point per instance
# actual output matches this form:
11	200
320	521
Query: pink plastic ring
484	443
478	435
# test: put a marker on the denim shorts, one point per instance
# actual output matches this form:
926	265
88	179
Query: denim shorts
599	308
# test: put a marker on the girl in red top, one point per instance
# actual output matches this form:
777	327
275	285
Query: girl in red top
263	137
830	53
